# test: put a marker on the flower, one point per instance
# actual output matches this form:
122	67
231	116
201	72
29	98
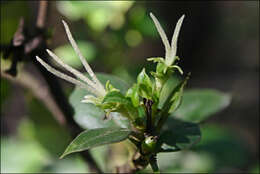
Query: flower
170	50
93	85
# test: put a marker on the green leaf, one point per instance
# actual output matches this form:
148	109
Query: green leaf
198	104
96	137
144	79
110	87
171	102
116	102
133	94
89	116
179	135
115	97
156	59
170	85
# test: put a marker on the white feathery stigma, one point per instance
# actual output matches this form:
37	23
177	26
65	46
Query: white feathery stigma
170	50
94	86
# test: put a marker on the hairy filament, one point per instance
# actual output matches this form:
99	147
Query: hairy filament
163	35
70	69
82	59
171	59
66	77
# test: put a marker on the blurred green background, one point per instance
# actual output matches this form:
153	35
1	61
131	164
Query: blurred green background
218	43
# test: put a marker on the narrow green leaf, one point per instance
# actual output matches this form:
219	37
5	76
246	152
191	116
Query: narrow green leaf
198	104
156	59
145	87
170	85
115	97
160	68
133	94
143	78
96	137
171	102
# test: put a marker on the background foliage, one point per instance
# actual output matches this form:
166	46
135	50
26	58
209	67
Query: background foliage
219	44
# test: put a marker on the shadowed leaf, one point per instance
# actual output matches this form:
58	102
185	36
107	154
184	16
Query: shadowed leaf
179	135
198	104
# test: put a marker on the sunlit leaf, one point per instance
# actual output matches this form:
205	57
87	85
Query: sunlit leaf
133	94
89	116
144	85
115	97
96	137
143	78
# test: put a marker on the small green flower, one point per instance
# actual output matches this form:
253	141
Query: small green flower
149	144
166	66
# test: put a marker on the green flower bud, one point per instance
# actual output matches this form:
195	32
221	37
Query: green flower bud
149	144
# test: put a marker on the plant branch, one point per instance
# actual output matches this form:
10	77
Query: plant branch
42	14
148	108
26	45
40	91
153	163
57	92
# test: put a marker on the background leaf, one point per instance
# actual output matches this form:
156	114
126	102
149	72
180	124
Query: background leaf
96	137
88	116
24	163
179	135
68	55
198	104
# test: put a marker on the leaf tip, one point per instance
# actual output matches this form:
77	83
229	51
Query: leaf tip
62	156
65	153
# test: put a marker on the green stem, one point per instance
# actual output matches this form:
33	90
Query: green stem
154	165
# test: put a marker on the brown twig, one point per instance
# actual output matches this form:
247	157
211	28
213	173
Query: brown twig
43	93
30	45
42	14
57	92
40	91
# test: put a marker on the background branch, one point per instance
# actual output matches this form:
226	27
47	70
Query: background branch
51	94
40	91
42	14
